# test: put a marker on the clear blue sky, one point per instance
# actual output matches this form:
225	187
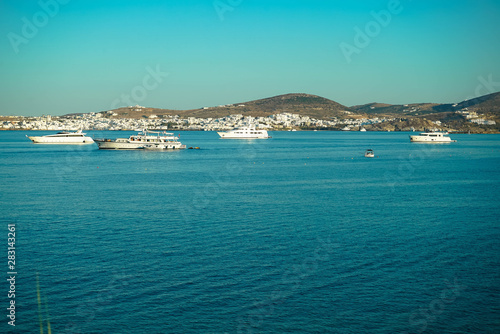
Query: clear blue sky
65	56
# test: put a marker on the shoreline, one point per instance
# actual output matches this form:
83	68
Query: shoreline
274	130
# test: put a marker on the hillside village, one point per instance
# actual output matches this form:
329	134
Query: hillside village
284	112
105	121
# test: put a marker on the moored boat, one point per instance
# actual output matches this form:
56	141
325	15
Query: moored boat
432	137
63	138
151	139
369	153
248	132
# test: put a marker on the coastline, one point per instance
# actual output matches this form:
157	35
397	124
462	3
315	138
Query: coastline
486	132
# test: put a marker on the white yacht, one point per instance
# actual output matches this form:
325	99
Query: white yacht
249	132
362	129
151	139
72	138
346	128
432	137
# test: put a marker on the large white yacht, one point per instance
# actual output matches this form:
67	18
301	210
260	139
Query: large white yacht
73	138
141	140
248	132
432	137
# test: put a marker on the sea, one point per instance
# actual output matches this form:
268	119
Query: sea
299	233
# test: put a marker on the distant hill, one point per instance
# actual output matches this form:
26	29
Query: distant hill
396	109
371	108
322	108
487	104
303	104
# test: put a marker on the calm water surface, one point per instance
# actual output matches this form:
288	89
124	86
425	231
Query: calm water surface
295	234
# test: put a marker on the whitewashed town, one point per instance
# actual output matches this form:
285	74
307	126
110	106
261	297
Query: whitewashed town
346	121
105	121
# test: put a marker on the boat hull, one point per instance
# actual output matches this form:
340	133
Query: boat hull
227	135
62	140
369	154
140	141
114	145
418	139
164	147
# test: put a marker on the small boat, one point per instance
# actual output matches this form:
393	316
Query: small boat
63	138
369	153
432	137
143	140
362	130
346	128
249	132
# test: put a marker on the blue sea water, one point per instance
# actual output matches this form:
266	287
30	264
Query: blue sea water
295	234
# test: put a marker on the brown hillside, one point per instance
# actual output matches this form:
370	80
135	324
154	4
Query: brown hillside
487	104
396	109
303	104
